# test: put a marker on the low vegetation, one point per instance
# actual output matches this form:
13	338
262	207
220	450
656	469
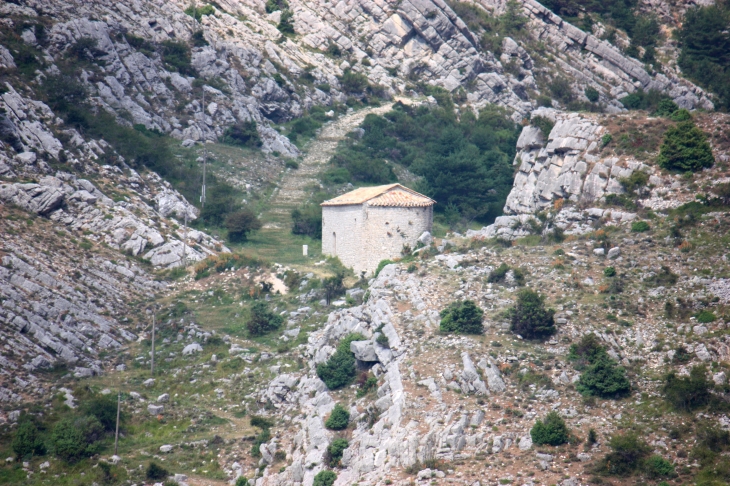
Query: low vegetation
338	419
551	431
463	317
339	371
530	318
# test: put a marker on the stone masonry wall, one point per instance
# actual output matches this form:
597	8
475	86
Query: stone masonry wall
342	233
362	236
388	229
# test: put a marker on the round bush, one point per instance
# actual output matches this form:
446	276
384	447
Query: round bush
592	94
705	317
324	478
462	316
242	481
262	320
658	467
529	317
339	370
685	148
604	378
551	431
72	439
609	272
27	441
240	224
335	451
338	419
640	226
156	472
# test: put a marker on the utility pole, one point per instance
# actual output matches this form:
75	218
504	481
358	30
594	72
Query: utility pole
153	341
185	238
205	152
116	434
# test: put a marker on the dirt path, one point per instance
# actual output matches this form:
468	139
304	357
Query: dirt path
292	191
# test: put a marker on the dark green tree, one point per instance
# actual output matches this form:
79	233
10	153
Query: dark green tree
551	431
338	419
27	441
462	316
262	320
690	392
705	49
339	371
334	452
685	148
324	478
529	318
240	224
604	378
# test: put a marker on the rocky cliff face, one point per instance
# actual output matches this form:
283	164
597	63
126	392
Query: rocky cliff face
570	172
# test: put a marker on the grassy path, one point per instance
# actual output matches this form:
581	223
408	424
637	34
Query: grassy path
275	242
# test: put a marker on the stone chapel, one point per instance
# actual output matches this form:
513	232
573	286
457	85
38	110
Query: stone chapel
371	224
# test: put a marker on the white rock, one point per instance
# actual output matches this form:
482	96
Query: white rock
192	349
166	448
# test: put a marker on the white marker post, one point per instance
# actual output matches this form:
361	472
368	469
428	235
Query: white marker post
305	249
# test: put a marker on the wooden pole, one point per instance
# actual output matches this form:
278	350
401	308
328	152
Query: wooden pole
153	341
116	433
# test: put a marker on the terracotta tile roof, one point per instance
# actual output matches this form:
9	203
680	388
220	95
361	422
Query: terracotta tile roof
387	195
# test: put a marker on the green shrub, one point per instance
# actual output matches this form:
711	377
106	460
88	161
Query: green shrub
640	226
339	371
338	419
705	317
307	221
665	278
601	374
685	148
544	124
244	134
286	22
604	378
104	408
176	56
462	316
274	5
609	272
529	318
73	439
291	164
681	115
592	94
334	452
262	320
156	472
241	481
324	478
381	266
551	431
644	100
561	89
657	467
588	350
635	181
261	422
353	82
606	139
240	224
198	12
27	441
688	393
665	108
498	274
627	455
